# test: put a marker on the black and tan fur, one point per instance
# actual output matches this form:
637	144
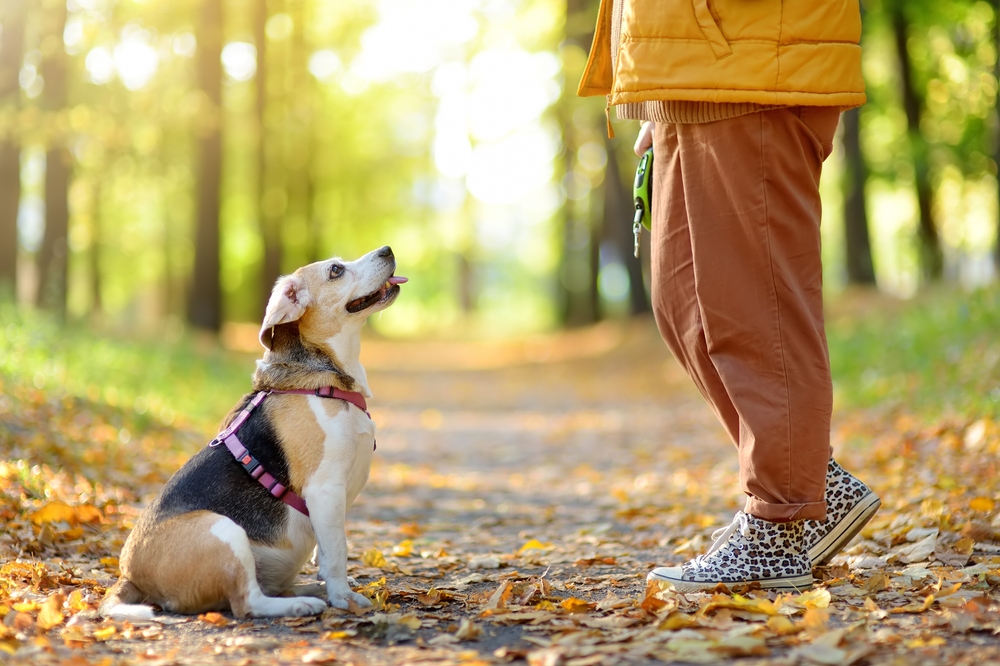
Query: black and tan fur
214	538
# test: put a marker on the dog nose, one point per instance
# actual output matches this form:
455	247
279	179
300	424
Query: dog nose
385	252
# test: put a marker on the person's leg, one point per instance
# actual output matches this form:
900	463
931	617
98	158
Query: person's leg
674	297
732	224
751	213
751	187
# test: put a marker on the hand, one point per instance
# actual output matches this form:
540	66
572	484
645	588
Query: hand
644	141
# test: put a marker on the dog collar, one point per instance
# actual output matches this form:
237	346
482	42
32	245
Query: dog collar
252	465
352	397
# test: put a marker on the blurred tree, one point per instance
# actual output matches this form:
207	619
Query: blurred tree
53	256
995	38
205	298
857	245
580	260
268	205
269	223
298	126
931	255
12	19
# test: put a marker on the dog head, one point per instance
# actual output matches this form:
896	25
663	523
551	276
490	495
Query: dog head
330	297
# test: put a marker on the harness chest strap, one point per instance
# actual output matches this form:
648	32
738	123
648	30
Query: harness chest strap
252	465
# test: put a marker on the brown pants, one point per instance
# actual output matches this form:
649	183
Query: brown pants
737	291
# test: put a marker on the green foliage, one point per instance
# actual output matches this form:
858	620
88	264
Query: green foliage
935	356
176	381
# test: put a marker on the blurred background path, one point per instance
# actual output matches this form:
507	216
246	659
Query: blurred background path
546	438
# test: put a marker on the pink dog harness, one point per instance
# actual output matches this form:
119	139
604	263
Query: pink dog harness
252	465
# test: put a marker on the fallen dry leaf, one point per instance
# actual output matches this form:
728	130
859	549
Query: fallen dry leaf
50	615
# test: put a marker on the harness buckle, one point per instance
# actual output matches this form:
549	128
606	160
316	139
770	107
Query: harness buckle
249	463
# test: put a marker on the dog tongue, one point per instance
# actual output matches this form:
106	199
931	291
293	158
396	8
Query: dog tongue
398	280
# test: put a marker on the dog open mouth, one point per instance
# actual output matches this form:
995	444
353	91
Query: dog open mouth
386	291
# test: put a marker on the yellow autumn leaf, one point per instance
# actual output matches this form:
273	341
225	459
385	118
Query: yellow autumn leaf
26	606
374	558
109	563
737	602
533	544
85	513
782	626
76	601
917	643
816	619
876	583
575	605
372	587
916	606
982	504
104	633
965	546
53	512
50	614
411	621
677	620
403	548
60	512
339	635
815	598
412	530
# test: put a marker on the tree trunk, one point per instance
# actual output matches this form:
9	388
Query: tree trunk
12	19
931	256
205	301
579	262
53	256
269	218
996	138
96	241
858	251
618	213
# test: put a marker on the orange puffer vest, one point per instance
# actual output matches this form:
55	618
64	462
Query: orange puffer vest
784	52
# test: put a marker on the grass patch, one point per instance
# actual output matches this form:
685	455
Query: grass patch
937	355
178	382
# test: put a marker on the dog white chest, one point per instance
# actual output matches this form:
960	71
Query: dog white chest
349	441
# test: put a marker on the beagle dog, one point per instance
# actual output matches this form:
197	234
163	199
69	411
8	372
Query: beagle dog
233	527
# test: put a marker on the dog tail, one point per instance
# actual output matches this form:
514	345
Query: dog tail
120	603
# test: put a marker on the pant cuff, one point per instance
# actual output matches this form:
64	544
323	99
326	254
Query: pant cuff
783	513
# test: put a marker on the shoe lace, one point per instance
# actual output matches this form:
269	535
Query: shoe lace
721	536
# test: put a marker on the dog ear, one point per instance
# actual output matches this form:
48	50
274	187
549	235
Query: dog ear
289	300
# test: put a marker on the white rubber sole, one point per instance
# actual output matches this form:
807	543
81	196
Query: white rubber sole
845	530
672	575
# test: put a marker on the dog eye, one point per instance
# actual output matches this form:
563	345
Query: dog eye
336	270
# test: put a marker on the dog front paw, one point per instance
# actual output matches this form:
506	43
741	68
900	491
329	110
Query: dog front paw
302	606
350	601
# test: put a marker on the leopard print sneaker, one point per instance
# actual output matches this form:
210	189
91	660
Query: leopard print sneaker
750	550
850	504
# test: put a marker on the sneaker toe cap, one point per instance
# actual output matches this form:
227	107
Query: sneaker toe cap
665	574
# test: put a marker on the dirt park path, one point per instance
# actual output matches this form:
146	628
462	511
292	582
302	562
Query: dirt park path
520	492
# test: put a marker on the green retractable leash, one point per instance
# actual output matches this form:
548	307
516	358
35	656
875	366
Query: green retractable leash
642	190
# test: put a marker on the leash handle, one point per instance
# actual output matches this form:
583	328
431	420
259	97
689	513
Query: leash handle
642	192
